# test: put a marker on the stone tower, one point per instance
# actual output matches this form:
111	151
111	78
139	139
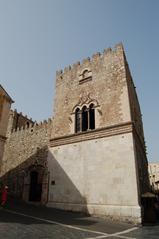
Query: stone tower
97	156
5	104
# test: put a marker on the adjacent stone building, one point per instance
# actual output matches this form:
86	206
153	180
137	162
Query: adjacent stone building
153	169
24	166
5	104
91	156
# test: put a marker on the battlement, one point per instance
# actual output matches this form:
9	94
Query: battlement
94	59
23	145
13	112
21	124
33	127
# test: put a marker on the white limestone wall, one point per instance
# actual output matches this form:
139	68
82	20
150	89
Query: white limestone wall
96	176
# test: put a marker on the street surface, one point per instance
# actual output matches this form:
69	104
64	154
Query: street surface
22	221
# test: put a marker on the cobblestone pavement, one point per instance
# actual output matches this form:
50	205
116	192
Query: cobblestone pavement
22	221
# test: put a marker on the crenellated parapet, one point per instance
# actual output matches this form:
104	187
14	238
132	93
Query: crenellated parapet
20	124
33	127
18	120
24	143
95	59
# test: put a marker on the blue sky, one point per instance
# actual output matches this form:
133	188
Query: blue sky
39	37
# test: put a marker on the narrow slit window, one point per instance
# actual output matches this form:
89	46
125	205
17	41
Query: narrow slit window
91	117
84	118
77	120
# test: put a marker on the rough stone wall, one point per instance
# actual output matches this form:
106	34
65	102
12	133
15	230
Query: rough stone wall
2	99
139	141
90	168
106	86
23	143
5	104
25	148
18	120
136	115
2	143
153	169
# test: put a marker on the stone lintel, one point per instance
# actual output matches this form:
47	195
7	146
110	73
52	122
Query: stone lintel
93	134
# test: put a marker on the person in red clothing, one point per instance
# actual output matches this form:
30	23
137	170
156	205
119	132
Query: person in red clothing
4	196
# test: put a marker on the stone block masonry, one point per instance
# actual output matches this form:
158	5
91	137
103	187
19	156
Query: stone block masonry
18	120
5	104
91	157
98	169
25	148
105	83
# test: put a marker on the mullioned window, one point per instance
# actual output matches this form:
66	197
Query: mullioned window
85	118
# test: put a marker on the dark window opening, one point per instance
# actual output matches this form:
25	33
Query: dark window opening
85	74
84	118
35	187
77	120
91	117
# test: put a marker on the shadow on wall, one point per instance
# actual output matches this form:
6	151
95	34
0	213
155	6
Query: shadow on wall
59	188
21	182
66	184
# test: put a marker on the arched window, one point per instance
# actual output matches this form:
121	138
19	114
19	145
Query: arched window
85	74
91	117
84	118
77	120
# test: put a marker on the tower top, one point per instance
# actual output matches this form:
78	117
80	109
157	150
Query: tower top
95	57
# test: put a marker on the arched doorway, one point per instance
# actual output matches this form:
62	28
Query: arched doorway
35	187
